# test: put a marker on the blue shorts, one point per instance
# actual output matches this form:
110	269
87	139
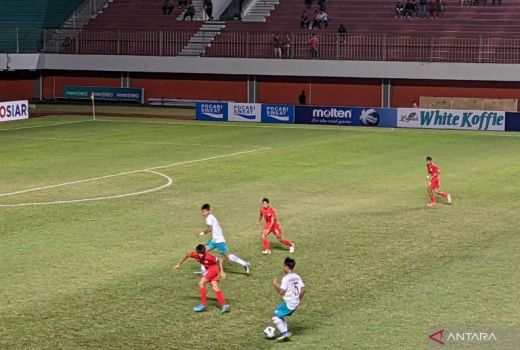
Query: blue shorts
282	311
221	247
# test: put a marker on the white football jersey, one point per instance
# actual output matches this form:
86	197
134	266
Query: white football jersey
217	235
292	284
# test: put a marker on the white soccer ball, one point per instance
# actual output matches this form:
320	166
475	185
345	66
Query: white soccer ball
269	332
369	117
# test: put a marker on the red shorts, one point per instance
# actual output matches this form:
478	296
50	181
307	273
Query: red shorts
211	274
434	184
275	229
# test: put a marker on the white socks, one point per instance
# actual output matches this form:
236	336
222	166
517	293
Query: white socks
280	324
236	259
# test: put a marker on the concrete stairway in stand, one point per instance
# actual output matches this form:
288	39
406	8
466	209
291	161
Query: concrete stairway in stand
259	10
199	12
203	39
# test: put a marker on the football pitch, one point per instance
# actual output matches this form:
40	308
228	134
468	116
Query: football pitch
93	214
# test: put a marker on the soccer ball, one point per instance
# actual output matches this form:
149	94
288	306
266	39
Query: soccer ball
369	117
269	332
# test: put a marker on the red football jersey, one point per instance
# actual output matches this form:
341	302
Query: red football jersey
269	214
433	169
207	261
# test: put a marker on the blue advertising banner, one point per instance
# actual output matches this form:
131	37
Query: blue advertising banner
211	111
104	93
512	121
277	114
349	116
245	112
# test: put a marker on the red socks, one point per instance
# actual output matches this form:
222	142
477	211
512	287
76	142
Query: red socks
443	195
267	246
286	242
433	200
204	299
203	296
220	298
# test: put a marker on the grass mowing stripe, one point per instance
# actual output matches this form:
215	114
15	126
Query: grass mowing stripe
46	125
132	172
116	141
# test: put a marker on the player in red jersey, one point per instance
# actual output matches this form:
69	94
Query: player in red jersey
271	225
213	266
433	187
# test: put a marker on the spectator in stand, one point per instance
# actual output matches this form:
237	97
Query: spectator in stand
308	4
305	21
432	6
313	43
415	7
208	8
316	20
399	10
423	8
342	33
190	12
302	99
323	18
414	104
409	9
497	1
167	7
277	46
439	8
287	43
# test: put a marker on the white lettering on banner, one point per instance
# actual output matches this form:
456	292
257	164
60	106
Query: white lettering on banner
14	110
450	119
332	113
278	112
245	112
213	110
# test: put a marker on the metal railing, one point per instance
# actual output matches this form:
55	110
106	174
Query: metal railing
86	11
368	47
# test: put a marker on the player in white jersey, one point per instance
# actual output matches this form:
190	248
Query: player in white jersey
292	291
217	238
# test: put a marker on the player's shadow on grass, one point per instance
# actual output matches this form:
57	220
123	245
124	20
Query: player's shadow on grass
236	272
280	247
297	329
212	301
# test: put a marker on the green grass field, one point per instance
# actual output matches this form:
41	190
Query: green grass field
381	268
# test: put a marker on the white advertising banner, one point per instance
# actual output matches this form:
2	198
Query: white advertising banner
450	119
245	112
14	110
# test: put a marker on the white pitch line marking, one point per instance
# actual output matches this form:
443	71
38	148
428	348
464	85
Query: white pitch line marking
169	182
151	170
46	125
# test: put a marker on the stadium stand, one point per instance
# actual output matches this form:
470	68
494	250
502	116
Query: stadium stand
372	26
377	16
25	19
138	27
135	27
